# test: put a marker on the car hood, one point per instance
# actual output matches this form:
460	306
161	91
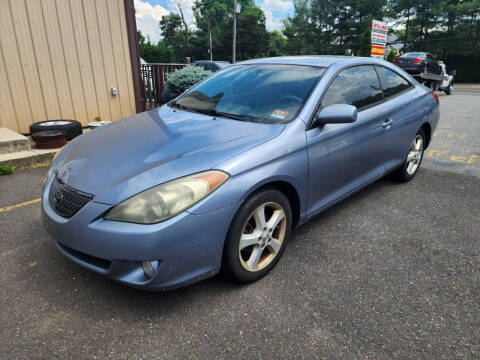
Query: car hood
119	160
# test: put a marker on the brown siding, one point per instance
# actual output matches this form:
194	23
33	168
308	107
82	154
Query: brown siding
60	59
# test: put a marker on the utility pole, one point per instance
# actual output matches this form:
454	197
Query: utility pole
210	38
234	44
236	10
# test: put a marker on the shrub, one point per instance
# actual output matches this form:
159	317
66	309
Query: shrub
183	79
392	55
6	169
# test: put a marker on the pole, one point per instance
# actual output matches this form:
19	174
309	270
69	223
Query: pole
210	38
234	44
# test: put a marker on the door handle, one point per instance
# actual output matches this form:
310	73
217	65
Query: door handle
387	123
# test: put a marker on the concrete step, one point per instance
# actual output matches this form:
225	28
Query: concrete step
27	158
11	142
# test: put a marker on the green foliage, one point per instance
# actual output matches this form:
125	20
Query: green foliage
214	17
6	169
151	53
252	36
183	79
277	43
392	55
176	39
330	27
366	43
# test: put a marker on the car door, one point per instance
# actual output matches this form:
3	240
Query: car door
404	111
343	157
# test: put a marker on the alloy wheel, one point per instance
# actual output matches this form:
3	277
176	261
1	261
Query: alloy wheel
415	153
262	236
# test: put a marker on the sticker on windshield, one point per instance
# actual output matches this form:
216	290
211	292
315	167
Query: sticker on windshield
280	114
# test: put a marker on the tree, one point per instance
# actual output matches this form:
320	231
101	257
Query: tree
151	53
392	54
277	43
325	26
214	23
366	43
176	35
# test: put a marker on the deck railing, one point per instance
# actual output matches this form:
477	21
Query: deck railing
153	80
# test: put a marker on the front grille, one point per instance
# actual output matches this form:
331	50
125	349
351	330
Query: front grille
66	201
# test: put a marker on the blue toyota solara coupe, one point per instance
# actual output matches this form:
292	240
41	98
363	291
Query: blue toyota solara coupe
218	178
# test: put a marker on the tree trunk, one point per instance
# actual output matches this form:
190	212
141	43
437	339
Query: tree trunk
185	25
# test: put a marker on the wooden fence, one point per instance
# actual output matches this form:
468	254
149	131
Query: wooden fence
153	79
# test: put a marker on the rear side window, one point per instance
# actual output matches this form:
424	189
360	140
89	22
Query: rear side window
392	83
356	86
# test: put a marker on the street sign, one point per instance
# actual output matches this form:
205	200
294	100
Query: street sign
378	51
379	38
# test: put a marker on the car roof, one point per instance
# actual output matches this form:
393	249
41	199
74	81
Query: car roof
209	61
311	60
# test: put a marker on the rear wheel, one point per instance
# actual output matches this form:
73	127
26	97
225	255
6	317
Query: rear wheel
257	237
410	167
449	89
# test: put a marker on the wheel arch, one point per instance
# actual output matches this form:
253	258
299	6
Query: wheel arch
289	190
427	129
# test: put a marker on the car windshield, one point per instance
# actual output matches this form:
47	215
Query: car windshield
414	55
269	93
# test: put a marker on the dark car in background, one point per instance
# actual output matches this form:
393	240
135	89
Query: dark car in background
212	66
417	63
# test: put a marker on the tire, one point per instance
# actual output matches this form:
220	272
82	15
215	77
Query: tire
449	89
433	85
49	139
405	173
265	243
71	128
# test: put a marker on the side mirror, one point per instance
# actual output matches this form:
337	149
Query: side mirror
454	73
336	114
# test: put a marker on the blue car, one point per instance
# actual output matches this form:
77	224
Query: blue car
218	178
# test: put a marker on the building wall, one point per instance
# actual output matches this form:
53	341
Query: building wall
59	59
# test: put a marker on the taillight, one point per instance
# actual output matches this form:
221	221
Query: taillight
395	60
435	95
417	60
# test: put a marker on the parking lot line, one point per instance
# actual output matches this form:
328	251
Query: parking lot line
25	203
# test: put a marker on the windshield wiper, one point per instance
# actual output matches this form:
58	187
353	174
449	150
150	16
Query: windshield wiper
212	112
228	115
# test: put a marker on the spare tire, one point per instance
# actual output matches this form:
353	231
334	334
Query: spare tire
71	128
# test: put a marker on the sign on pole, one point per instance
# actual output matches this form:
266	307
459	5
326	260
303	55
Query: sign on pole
379	39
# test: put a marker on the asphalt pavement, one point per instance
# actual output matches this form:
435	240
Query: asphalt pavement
455	145
392	272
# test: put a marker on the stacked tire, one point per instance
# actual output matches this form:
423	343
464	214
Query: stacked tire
71	128
52	134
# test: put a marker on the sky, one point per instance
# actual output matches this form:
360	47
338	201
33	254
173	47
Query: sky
149	12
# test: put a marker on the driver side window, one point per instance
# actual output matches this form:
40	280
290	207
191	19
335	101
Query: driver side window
357	85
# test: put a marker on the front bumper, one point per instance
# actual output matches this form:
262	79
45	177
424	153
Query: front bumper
187	247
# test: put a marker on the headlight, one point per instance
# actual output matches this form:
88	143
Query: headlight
167	200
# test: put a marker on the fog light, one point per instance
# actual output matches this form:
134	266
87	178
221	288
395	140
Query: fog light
148	268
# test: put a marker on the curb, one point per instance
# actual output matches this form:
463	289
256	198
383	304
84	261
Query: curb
26	159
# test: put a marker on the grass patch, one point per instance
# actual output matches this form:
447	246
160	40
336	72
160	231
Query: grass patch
6	169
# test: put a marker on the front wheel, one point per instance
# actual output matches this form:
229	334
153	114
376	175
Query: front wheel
410	167
258	235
